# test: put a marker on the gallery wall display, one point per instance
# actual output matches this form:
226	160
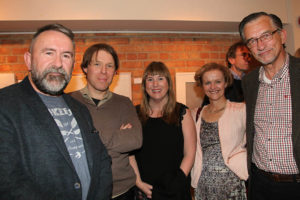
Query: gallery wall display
121	84
187	91
7	79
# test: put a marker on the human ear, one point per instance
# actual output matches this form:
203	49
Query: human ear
231	60
27	59
283	36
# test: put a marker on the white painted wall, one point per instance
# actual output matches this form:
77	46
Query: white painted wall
189	10
294	27
194	10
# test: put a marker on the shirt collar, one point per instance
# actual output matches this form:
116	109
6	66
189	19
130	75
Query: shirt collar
278	76
235	76
86	94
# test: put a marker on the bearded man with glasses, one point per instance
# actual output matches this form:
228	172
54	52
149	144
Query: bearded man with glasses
272	100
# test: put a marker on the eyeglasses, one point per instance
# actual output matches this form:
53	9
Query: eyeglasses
263	38
245	55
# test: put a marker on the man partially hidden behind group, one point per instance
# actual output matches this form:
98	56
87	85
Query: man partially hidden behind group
238	60
113	115
49	148
272	98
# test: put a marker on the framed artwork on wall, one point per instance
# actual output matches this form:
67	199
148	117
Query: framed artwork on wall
187	91
7	79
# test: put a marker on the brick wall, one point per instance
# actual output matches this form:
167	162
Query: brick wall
180	52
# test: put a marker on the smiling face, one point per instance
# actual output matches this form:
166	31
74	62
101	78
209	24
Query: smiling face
157	87
100	73
50	62
214	84
266	52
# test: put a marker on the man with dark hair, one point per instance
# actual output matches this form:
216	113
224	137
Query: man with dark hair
113	115
238	60
49	148
273	110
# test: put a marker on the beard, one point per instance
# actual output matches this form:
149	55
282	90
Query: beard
50	84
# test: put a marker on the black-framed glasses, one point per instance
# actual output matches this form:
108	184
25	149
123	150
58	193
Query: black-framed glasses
265	37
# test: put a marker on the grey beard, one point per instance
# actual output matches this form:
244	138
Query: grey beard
44	81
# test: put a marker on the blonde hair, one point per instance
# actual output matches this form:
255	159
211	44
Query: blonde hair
168	112
213	66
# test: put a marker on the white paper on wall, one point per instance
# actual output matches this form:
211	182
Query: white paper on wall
187	92
7	79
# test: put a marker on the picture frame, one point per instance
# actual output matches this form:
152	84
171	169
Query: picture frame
187	91
7	79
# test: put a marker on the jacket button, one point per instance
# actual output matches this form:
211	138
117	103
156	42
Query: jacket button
77	186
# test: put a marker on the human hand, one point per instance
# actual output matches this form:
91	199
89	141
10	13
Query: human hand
146	188
125	126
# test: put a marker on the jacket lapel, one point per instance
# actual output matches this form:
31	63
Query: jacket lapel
45	119
294	67
252	92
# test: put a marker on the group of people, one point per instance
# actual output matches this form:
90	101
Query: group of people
93	144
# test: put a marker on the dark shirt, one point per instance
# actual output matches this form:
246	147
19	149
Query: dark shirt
160	157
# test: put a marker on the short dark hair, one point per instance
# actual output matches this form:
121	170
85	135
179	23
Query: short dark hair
53	27
231	53
275	19
213	66
88	54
